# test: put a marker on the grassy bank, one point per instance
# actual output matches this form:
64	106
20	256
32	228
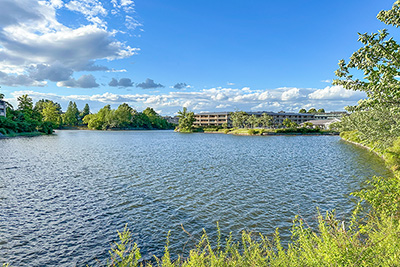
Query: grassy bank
285	131
28	134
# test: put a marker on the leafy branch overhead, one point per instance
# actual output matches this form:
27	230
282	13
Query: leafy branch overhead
379	61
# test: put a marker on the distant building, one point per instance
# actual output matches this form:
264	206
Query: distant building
220	118
330	115
173	120
2	108
212	119
323	124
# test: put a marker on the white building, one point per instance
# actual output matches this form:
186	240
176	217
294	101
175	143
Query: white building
323	124
2	108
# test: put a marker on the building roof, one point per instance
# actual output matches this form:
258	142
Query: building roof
322	122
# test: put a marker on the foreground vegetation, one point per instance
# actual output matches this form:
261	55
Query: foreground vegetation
371	237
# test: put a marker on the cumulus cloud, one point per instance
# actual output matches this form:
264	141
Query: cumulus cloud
149	84
55	72
19	80
212	99
85	81
180	86
35	44
335	93
123	82
290	94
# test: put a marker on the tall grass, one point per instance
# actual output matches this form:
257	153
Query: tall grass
336	243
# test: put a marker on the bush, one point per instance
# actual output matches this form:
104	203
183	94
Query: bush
251	131
46	127
3	131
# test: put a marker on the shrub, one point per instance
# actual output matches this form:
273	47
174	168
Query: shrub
251	131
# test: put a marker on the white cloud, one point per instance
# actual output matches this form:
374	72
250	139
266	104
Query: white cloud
31	37
212	99
326	81
335	92
290	94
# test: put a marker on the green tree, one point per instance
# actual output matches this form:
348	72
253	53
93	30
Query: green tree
288	123
71	116
41	104
84	112
186	120
302	110
123	115
25	103
239	119
321	110
266	120
374	69
252	121
51	113
312	110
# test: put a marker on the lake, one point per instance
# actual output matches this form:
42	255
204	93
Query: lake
64	197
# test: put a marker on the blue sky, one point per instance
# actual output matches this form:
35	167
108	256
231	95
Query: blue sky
205	55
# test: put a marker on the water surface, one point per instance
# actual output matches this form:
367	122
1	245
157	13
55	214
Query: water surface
64	197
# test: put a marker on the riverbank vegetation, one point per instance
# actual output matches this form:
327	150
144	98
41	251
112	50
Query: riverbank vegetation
26	120
186	120
125	117
371	237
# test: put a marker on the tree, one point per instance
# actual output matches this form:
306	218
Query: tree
252	121
84	112
25	103
42	102
123	115
312	110
374	69
71	116
51	113
186	120
321	110
288	123
239	119
302	110
266	120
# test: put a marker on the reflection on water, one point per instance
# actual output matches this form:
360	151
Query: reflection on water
63	197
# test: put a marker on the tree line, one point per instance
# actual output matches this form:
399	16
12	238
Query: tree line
312	110
125	117
46	115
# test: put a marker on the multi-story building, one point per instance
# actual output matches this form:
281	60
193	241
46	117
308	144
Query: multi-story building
220	118
213	119
331	115
2	108
279	117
